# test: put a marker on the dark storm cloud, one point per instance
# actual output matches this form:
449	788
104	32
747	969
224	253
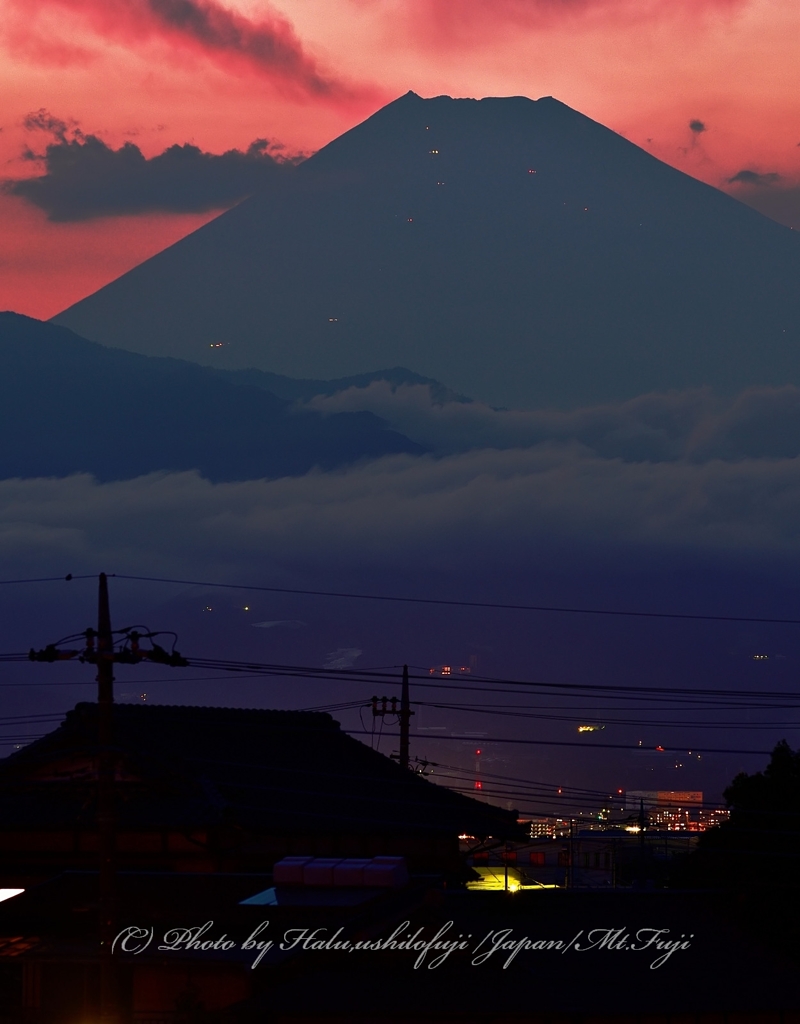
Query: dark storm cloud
85	178
697	127
746	177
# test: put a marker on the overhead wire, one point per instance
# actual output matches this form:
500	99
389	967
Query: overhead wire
503	606
586	746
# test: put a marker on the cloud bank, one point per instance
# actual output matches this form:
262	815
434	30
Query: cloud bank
85	178
488	509
683	477
694	426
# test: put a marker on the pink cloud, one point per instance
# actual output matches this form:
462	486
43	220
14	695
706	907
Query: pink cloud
468	22
267	47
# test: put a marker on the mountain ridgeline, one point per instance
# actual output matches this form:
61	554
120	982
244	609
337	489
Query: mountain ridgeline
68	405
515	248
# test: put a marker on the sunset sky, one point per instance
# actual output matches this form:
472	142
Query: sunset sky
709	86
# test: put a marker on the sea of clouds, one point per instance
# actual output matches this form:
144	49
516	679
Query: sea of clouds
686	471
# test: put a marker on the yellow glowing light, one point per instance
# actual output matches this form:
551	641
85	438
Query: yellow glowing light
494	879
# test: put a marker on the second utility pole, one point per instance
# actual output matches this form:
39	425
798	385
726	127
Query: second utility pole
405	720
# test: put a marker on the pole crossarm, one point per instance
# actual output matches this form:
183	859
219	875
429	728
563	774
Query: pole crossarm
131	653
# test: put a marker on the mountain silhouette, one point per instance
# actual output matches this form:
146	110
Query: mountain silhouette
514	248
68	405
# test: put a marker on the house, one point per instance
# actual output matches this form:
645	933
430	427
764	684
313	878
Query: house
209	789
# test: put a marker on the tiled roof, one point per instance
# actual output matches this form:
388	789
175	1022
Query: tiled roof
263	770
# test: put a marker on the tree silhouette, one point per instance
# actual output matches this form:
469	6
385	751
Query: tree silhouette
758	848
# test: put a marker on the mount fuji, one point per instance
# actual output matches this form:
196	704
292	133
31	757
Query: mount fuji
514	249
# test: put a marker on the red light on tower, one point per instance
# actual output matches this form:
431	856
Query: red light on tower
477	752
478	784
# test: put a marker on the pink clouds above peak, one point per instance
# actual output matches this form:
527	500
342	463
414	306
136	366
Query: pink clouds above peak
267	47
466	24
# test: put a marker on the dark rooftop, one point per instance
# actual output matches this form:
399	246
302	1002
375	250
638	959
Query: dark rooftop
201	766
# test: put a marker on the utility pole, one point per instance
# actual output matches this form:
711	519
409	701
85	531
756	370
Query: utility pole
106	813
405	719
642	826
403	716
99	650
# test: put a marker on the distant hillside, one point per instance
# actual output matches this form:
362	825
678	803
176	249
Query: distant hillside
514	248
69	405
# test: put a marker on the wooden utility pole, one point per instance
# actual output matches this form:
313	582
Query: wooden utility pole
99	650
403	717
405	720
106	811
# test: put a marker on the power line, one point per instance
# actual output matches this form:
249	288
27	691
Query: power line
519	711
49	579
573	743
693	697
460	604
737	698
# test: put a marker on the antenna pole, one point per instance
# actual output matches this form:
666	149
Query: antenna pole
105	804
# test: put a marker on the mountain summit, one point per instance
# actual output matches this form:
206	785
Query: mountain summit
513	248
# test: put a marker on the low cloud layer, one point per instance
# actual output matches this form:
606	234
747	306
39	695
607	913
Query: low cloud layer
693	426
85	178
484	509
659	475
